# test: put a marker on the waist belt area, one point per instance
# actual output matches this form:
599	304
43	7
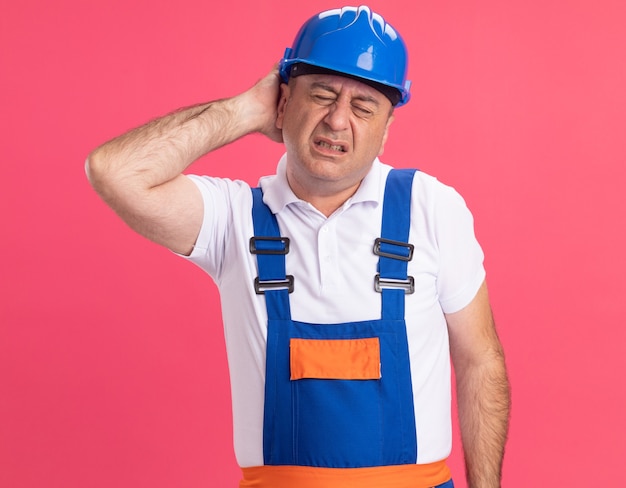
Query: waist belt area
403	476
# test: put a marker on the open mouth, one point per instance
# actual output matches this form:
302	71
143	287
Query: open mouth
332	147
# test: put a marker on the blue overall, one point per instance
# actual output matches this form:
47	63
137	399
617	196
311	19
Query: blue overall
339	423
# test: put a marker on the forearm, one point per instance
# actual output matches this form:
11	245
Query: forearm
483	405
157	152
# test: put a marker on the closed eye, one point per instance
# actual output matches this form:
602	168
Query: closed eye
324	99
362	111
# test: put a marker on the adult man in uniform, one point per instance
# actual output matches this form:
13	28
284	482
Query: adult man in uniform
345	284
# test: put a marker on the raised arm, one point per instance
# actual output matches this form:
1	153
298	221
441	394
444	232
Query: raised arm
139	174
482	390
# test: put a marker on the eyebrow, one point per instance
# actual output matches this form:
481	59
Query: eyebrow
327	87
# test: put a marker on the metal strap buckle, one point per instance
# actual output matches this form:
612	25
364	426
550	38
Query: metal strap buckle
406	247
255	250
261	286
407	285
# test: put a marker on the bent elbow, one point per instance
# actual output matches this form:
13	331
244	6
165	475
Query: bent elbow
89	173
105	177
95	169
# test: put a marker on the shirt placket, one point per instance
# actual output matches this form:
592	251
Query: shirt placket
327	255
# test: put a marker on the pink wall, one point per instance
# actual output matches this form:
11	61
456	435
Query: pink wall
112	365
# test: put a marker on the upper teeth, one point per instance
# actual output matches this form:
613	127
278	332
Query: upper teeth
329	146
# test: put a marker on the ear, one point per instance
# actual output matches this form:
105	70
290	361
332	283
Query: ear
385	135
282	102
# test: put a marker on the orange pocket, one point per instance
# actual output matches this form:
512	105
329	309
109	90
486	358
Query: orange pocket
339	359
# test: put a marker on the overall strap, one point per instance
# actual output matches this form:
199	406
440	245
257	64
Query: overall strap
392	247
270	250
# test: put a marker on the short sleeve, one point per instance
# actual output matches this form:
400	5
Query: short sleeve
461	269
222	199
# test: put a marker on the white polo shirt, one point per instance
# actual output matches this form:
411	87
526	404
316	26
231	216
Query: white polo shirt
333	265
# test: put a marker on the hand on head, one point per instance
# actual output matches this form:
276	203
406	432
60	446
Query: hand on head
262	100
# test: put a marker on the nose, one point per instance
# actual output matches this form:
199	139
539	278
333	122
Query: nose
338	115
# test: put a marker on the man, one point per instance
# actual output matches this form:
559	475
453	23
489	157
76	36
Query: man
345	284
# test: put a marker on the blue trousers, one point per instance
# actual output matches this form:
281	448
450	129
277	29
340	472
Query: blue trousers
447	484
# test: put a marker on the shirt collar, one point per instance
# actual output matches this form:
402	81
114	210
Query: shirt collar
277	193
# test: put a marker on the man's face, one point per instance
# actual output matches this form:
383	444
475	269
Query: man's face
333	128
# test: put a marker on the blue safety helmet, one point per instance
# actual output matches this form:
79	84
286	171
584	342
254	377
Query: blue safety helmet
354	42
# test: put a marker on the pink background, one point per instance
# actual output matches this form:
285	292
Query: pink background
112	363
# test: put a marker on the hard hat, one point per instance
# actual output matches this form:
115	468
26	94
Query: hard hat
351	41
